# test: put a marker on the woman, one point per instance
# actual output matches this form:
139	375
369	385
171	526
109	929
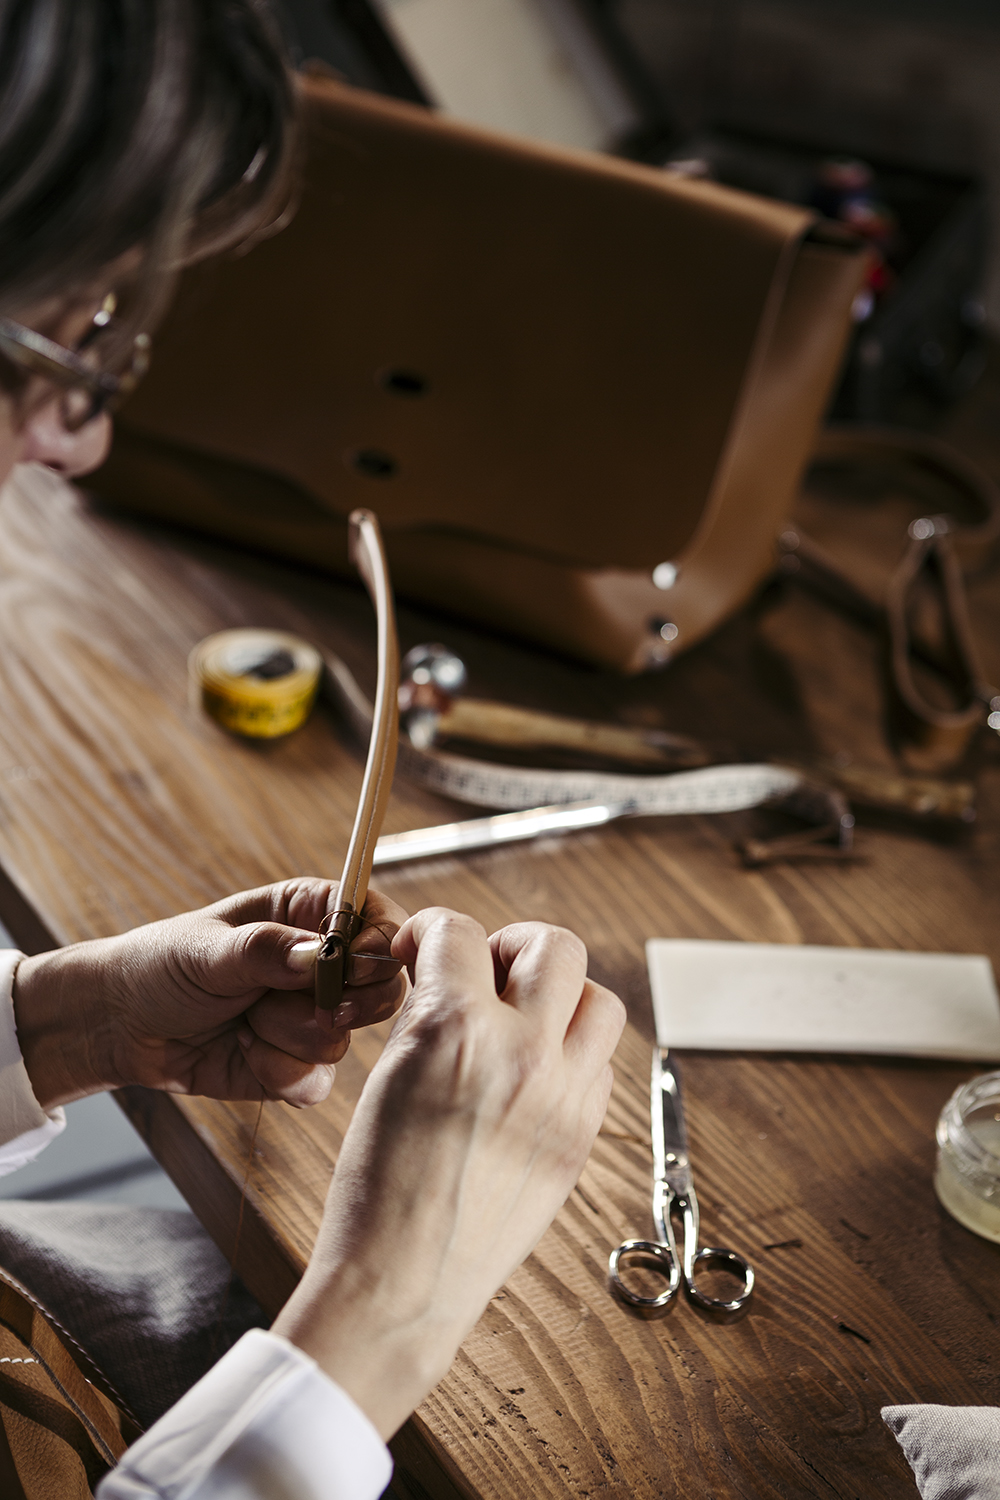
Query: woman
135	135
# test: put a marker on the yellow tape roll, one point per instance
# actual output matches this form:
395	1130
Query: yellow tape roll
258	683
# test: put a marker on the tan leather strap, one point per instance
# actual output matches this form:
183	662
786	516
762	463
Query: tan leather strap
61	1426
343	925
936	735
930	735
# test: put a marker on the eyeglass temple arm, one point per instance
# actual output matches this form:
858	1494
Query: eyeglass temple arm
367	552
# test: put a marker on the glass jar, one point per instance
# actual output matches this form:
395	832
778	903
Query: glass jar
967	1179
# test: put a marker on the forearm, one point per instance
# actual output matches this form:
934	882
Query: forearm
470	1132
351	1324
371	1310
25	1128
64	1025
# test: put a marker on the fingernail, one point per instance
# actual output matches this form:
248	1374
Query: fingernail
244	1036
345	1013
302	956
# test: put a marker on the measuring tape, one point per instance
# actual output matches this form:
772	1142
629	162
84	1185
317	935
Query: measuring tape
711	789
257	683
262	684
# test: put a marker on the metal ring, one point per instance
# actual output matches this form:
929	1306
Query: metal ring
717	1307
649	1307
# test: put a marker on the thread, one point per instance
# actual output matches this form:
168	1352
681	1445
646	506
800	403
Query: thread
217	1334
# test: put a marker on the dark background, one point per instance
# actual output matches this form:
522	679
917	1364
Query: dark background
916	80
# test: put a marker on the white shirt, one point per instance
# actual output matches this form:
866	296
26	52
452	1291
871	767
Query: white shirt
264	1421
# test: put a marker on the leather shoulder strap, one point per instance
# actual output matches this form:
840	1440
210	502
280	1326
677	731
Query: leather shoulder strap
61	1426
932	734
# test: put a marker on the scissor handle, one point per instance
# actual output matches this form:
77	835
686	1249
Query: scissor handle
718	1308
667	1263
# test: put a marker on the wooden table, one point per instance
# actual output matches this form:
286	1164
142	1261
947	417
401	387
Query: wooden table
119	803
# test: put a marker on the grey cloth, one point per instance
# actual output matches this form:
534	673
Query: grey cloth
954	1451
141	1289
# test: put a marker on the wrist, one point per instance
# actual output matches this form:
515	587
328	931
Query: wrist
62	1029
352	1328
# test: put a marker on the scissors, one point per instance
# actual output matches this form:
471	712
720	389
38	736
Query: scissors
673	1192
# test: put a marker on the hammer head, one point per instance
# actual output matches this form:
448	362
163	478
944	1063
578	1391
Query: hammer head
430	677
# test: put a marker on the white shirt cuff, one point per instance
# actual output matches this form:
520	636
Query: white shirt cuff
264	1421
25	1127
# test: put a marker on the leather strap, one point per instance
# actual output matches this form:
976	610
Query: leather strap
342	926
62	1425
930	736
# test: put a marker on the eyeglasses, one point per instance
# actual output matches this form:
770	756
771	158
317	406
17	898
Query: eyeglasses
86	390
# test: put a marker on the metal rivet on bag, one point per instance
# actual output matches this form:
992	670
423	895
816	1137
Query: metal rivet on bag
373	463
665	575
665	629
404	382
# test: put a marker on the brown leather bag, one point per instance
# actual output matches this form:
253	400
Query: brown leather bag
555	376
61	1426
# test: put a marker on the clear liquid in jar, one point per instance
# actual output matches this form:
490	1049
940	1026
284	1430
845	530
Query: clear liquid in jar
973	1198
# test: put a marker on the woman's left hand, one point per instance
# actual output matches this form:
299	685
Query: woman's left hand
215	1002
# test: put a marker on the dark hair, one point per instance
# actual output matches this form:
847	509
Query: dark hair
163	127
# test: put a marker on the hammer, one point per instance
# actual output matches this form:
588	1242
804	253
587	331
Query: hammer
433	714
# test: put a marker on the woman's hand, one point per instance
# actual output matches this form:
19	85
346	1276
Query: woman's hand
215	1002
470	1133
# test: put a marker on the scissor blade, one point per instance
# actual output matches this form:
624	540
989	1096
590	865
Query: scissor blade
666	1111
482	833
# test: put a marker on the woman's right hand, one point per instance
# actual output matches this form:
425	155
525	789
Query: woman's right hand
471	1131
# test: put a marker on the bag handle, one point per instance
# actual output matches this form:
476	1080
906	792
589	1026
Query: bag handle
933	737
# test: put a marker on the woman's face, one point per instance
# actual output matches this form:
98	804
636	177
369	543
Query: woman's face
31	427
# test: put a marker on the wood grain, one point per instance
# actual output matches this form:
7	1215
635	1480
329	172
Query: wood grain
119	803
